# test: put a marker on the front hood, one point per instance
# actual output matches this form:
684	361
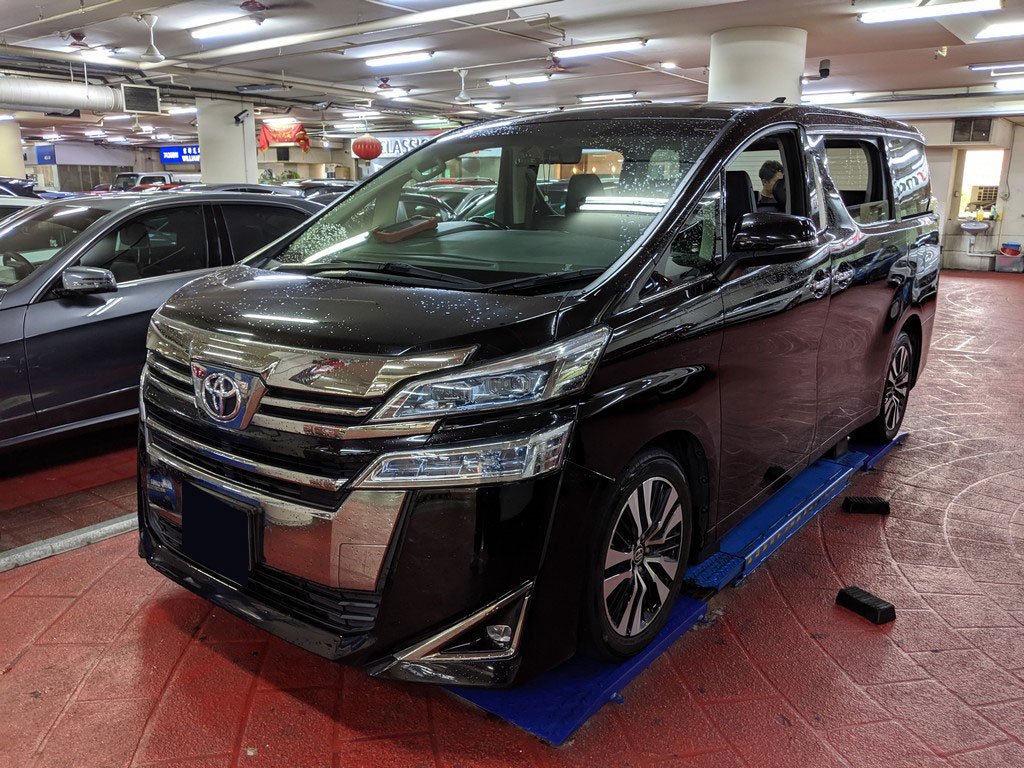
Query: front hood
329	314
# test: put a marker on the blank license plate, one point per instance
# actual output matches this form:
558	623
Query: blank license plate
217	535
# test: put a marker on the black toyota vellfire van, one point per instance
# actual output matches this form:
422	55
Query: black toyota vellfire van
460	450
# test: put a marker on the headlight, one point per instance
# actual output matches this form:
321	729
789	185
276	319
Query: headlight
471	464
553	371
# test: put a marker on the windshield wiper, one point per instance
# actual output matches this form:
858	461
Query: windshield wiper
544	281
387	268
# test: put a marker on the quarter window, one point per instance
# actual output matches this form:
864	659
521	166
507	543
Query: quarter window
911	180
856	170
695	249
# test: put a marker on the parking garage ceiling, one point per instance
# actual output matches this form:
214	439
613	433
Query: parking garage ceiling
316	58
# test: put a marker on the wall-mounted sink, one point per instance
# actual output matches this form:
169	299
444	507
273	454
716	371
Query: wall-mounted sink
974	228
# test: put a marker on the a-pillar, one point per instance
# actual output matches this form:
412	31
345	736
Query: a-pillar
757	64
227	148
12	159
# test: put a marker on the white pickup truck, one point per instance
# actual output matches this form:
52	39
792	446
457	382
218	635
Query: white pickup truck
125	181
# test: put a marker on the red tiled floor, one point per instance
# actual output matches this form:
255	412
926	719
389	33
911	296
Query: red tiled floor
103	663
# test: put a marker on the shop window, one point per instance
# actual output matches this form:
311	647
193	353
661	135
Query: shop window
855	167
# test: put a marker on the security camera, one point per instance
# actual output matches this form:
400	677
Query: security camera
824	67
242	116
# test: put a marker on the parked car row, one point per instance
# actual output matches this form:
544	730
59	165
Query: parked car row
79	280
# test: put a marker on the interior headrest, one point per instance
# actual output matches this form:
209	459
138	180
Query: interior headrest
581	186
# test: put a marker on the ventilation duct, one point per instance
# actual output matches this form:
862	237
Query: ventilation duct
55	95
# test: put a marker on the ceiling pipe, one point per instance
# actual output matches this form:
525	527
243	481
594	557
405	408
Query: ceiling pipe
58	16
420	17
27	92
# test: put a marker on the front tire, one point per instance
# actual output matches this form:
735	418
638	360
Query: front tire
895	392
638	557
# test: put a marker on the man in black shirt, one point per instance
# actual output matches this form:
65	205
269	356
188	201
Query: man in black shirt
771	175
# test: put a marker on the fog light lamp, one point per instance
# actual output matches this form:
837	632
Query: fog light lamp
500	634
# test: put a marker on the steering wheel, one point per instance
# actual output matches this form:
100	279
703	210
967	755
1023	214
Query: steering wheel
491	223
22	266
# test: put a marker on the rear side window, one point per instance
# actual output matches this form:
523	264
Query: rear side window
250	227
911	180
855	166
151	180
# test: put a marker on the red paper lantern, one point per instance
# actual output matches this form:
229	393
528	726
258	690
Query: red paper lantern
367	147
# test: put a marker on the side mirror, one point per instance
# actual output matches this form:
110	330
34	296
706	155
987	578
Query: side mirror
78	281
769	230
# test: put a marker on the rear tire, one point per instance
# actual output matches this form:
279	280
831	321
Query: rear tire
895	391
638	557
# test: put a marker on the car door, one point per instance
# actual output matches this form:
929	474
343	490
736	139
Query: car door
85	353
17	416
869	266
249	227
773	319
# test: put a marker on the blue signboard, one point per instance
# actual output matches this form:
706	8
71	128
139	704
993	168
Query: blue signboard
188	153
45	154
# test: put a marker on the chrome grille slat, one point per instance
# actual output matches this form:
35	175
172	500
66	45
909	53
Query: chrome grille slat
310	480
302	405
237	491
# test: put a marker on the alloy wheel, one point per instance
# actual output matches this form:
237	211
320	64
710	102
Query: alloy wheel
897	388
643	556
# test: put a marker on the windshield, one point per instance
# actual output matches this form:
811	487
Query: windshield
568	198
30	241
124	181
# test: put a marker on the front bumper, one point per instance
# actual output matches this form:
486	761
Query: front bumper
453	563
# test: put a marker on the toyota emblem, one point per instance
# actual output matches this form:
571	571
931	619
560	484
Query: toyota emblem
222	398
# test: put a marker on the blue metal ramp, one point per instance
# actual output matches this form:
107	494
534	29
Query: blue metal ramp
554	705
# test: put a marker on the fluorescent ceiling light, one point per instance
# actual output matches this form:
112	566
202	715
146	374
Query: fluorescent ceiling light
668	65
181	110
830	97
535	110
51	136
118	139
237	26
116	117
95	133
279	120
348	127
4	118
596	49
490	106
435	120
362	115
1002	29
914	12
528	80
994	67
393	93
1011	84
399	58
624	96
163	136
1008	72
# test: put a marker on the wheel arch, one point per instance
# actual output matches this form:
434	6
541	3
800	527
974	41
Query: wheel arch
686	448
912	327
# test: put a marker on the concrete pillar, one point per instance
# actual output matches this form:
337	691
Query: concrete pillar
757	64
12	161
227	150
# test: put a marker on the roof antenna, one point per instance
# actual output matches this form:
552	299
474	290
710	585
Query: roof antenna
779	100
